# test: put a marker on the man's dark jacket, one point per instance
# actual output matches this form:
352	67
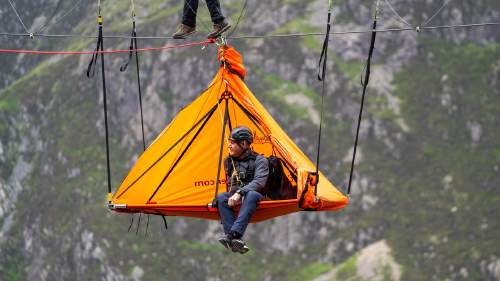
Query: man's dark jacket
253	176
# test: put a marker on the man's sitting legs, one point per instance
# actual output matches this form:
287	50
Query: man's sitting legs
225	212
248	207
234	229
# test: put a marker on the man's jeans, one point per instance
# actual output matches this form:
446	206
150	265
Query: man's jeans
191	8
248	207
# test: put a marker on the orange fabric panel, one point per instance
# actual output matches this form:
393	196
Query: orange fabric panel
233	60
326	191
137	189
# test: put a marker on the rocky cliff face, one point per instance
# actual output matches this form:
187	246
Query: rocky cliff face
425	191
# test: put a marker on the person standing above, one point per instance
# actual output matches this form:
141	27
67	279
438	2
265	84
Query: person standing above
188	25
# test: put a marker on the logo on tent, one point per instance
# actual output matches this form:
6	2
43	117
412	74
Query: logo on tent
211	182
260	139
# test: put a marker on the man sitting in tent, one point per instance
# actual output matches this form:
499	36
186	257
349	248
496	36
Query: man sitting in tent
188	25
246	176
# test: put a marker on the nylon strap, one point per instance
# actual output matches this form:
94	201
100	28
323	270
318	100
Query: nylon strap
95	54
163	218
365	85
165	222
90	74
132	47
321	77
324	49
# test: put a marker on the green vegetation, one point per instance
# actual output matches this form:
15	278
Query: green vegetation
352	69
309	271
436	188
300	25
12	263
348	269
279	89
8	103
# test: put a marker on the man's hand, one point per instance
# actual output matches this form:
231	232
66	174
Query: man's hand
234	200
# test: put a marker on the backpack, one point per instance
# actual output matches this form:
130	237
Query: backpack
274	182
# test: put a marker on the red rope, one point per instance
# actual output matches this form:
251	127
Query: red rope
210	41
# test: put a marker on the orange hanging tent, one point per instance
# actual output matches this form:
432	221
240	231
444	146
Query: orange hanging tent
181	172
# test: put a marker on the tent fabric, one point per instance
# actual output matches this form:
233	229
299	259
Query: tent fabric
177	174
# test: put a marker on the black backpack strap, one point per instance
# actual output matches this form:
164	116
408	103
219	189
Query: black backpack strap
228	168
251	163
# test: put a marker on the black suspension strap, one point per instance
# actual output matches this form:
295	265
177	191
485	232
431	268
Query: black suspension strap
134	46
224	124
365	85
321	77
90	74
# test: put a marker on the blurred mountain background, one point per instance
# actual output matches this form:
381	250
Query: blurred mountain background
426	191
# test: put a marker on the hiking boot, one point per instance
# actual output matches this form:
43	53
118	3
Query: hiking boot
239	246
183	31
219	28
225	241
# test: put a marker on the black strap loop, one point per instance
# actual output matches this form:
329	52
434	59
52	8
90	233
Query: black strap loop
131	48
324	50
165	222
93	61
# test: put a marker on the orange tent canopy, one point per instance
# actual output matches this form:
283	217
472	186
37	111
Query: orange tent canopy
180	173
